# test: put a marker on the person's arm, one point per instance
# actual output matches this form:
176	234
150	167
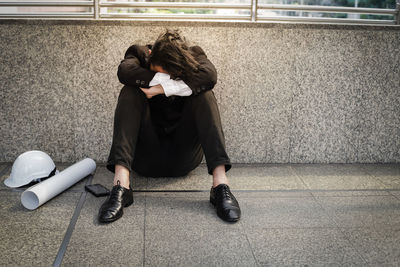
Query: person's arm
132	70
170	86
206	78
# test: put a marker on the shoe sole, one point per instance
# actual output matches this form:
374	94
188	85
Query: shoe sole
232	220
116	218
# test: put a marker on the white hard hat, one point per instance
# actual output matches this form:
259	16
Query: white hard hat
31	166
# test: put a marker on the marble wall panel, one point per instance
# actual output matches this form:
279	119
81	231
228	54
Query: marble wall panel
324	108
286	92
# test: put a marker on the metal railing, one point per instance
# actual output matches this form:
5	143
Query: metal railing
253	8
47	14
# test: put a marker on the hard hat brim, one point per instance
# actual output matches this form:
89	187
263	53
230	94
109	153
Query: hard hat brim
10	183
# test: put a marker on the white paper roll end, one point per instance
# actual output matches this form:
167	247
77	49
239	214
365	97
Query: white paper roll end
30	200
91	162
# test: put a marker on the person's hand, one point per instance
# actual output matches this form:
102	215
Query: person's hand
153	91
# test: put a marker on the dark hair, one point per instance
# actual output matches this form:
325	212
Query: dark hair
171	52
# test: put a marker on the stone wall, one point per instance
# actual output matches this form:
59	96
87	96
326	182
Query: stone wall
287	92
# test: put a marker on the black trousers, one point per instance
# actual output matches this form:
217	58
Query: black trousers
142	145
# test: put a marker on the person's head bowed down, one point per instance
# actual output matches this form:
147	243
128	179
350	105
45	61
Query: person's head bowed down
170	54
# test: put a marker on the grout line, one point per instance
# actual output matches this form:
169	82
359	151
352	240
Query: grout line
248	242
395	196
271	190
299	177
251	249
71	226
355	247
320	227
234	190
144	230
144	220
238	190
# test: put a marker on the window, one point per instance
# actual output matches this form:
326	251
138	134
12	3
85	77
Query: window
335	9
331	11
46	8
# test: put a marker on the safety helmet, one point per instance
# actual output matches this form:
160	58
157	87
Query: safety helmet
31	166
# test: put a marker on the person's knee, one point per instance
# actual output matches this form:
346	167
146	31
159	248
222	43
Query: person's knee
131	95
204	98
206	95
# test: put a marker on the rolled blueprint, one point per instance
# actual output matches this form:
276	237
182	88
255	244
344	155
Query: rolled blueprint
36	195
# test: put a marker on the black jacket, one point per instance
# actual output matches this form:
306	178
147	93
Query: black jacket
166	111
134	69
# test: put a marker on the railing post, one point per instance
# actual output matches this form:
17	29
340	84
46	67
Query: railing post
254	4
96	9
397	16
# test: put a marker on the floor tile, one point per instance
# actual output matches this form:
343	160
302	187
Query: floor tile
283	212
30	246
292	215
349	193
4	165
205	195
118	243
336	176
271	193
132	218
395	193
186	212
51	214
302	247
241	177
198	247
388	174
5	171
33	238
98	246
379	246
264	177
362	211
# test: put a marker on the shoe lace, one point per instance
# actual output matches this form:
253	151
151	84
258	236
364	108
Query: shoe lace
114	196
226	193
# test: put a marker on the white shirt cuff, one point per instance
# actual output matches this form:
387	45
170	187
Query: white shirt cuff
170	86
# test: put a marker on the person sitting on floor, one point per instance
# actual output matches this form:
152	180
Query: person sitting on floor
166	119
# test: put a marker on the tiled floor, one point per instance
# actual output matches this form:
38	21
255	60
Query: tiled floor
292	215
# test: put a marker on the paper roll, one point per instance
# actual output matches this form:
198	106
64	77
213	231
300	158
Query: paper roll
36	195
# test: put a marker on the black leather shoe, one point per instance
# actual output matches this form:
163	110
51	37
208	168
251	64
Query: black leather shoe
112	209
225	202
